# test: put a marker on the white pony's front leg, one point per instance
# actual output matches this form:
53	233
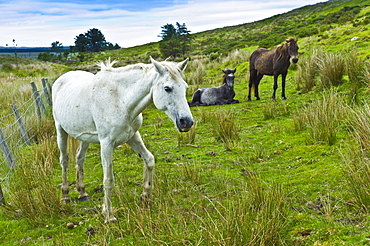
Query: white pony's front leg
138	146
108	179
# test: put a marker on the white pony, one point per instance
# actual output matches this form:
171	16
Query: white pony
106	108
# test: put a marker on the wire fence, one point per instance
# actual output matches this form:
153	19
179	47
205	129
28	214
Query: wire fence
16	129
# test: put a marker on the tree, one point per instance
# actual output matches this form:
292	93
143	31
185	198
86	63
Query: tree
175	40
96	40
57	47
168	31
93	40
81	43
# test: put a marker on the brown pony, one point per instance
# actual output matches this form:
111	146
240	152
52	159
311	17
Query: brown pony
273	63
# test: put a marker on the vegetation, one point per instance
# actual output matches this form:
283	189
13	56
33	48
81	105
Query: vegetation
175	41
292	172
91	41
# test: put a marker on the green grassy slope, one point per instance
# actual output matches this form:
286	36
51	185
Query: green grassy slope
330	25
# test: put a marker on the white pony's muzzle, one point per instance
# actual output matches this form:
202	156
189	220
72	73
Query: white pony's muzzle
184	123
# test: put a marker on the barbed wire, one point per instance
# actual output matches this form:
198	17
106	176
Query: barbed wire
12	135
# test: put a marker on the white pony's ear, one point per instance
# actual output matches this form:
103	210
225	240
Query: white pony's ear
160	69
182	65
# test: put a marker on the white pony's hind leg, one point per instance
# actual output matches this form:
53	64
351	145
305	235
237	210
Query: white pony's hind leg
80	159
62	138
138	146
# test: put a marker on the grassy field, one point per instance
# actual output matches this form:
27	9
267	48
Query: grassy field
293	172
253	173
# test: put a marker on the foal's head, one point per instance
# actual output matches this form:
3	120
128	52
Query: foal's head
229	77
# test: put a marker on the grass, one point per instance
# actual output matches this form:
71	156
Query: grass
292	172
271	188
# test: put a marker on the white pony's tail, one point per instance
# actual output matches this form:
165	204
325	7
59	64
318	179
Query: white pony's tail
107	65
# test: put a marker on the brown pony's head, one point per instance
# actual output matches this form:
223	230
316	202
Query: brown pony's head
293	49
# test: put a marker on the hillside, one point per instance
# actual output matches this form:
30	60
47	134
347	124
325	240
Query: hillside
330	25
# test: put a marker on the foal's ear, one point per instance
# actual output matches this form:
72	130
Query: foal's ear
160	69
182	65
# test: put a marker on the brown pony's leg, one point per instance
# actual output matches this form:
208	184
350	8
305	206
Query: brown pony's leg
283	77
275	86
258	80
252	80
249	91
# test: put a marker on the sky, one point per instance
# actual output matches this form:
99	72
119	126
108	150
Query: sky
38	23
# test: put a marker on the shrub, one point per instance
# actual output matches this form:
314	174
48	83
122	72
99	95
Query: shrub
7	68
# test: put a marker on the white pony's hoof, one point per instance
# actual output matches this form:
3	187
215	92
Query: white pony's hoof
111	220
146	200
66	200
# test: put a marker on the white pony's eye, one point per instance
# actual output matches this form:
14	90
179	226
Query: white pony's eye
167	89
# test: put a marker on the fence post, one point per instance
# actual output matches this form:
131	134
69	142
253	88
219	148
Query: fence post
5	148
2	200
20	123
39	105
46	91
49	87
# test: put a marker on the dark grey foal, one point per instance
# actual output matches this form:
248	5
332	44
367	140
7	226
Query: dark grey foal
223	94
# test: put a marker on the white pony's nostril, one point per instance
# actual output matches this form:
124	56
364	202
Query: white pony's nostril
184	123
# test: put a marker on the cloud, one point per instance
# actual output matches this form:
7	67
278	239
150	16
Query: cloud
41	22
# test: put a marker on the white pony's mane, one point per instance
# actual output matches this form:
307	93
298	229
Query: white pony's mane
170	66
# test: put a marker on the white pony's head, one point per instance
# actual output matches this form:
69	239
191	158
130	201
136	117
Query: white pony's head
169	93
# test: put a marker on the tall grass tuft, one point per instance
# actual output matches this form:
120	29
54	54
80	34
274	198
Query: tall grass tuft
322	117
236	56
275	108
308	71
356	159
367	73
331	69
259	217
357	173
226	129
359	121
32	194
356	69
198	72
